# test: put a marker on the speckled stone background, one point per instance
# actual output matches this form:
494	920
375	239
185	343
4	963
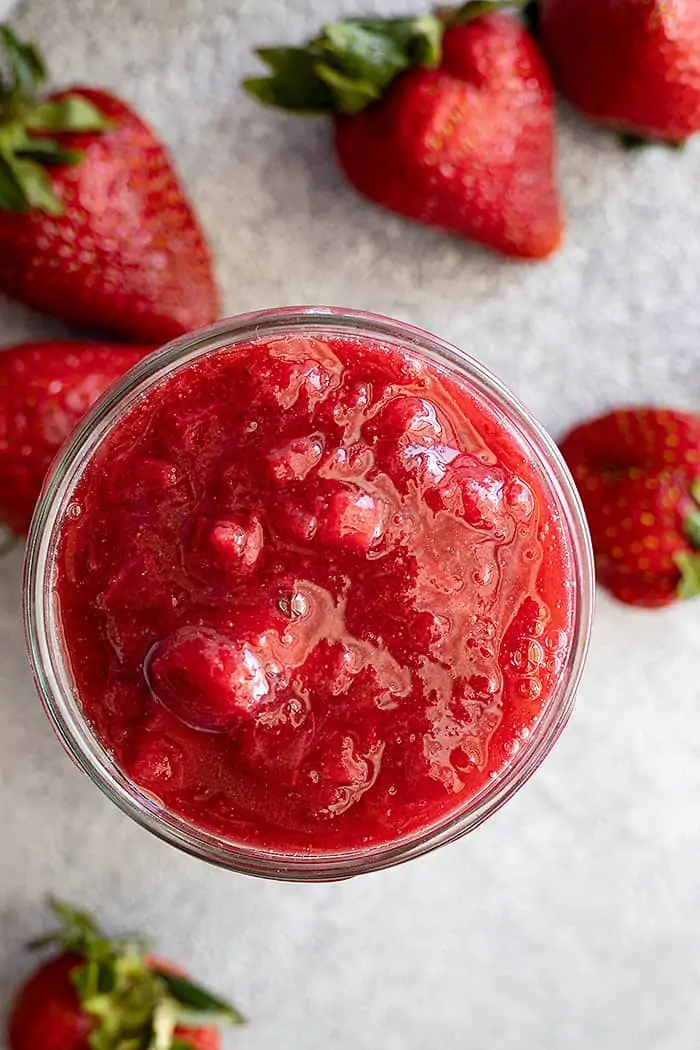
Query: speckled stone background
571	921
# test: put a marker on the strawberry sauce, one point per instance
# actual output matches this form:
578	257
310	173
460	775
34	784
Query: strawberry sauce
314	595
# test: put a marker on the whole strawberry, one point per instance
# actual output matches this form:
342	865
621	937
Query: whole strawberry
632	64
99	994
45	388
447	119
95	227
638	472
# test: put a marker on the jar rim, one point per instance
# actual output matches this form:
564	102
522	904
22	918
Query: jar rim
52	678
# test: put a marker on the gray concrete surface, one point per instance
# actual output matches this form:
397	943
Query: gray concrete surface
572	920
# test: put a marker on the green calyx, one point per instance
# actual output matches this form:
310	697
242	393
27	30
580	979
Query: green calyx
687	561
135	1004
351	64
30	129
348	66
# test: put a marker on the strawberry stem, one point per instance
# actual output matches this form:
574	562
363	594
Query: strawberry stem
25	64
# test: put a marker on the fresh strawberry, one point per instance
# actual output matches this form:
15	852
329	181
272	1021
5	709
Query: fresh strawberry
638	472
95	227
632	64
99	994
45	388
447	119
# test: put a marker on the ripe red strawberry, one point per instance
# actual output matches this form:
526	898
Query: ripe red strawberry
638	472
632	64
95	227
99	994
45	388
447	119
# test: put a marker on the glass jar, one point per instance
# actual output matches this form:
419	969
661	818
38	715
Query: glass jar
43	625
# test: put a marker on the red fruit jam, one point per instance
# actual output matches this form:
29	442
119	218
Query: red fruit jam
313	592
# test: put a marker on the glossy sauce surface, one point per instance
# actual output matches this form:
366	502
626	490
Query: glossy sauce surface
313	594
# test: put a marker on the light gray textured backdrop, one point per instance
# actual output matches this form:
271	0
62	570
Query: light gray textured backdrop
572	920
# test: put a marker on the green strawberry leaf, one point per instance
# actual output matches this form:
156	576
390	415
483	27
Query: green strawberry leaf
203	1018
691	524
72	113
35	185
78	933
692	527
46	151
26	66
419	38
348	66
379	51
87	980
12	198
689	566
294	84
351	95
195	1002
